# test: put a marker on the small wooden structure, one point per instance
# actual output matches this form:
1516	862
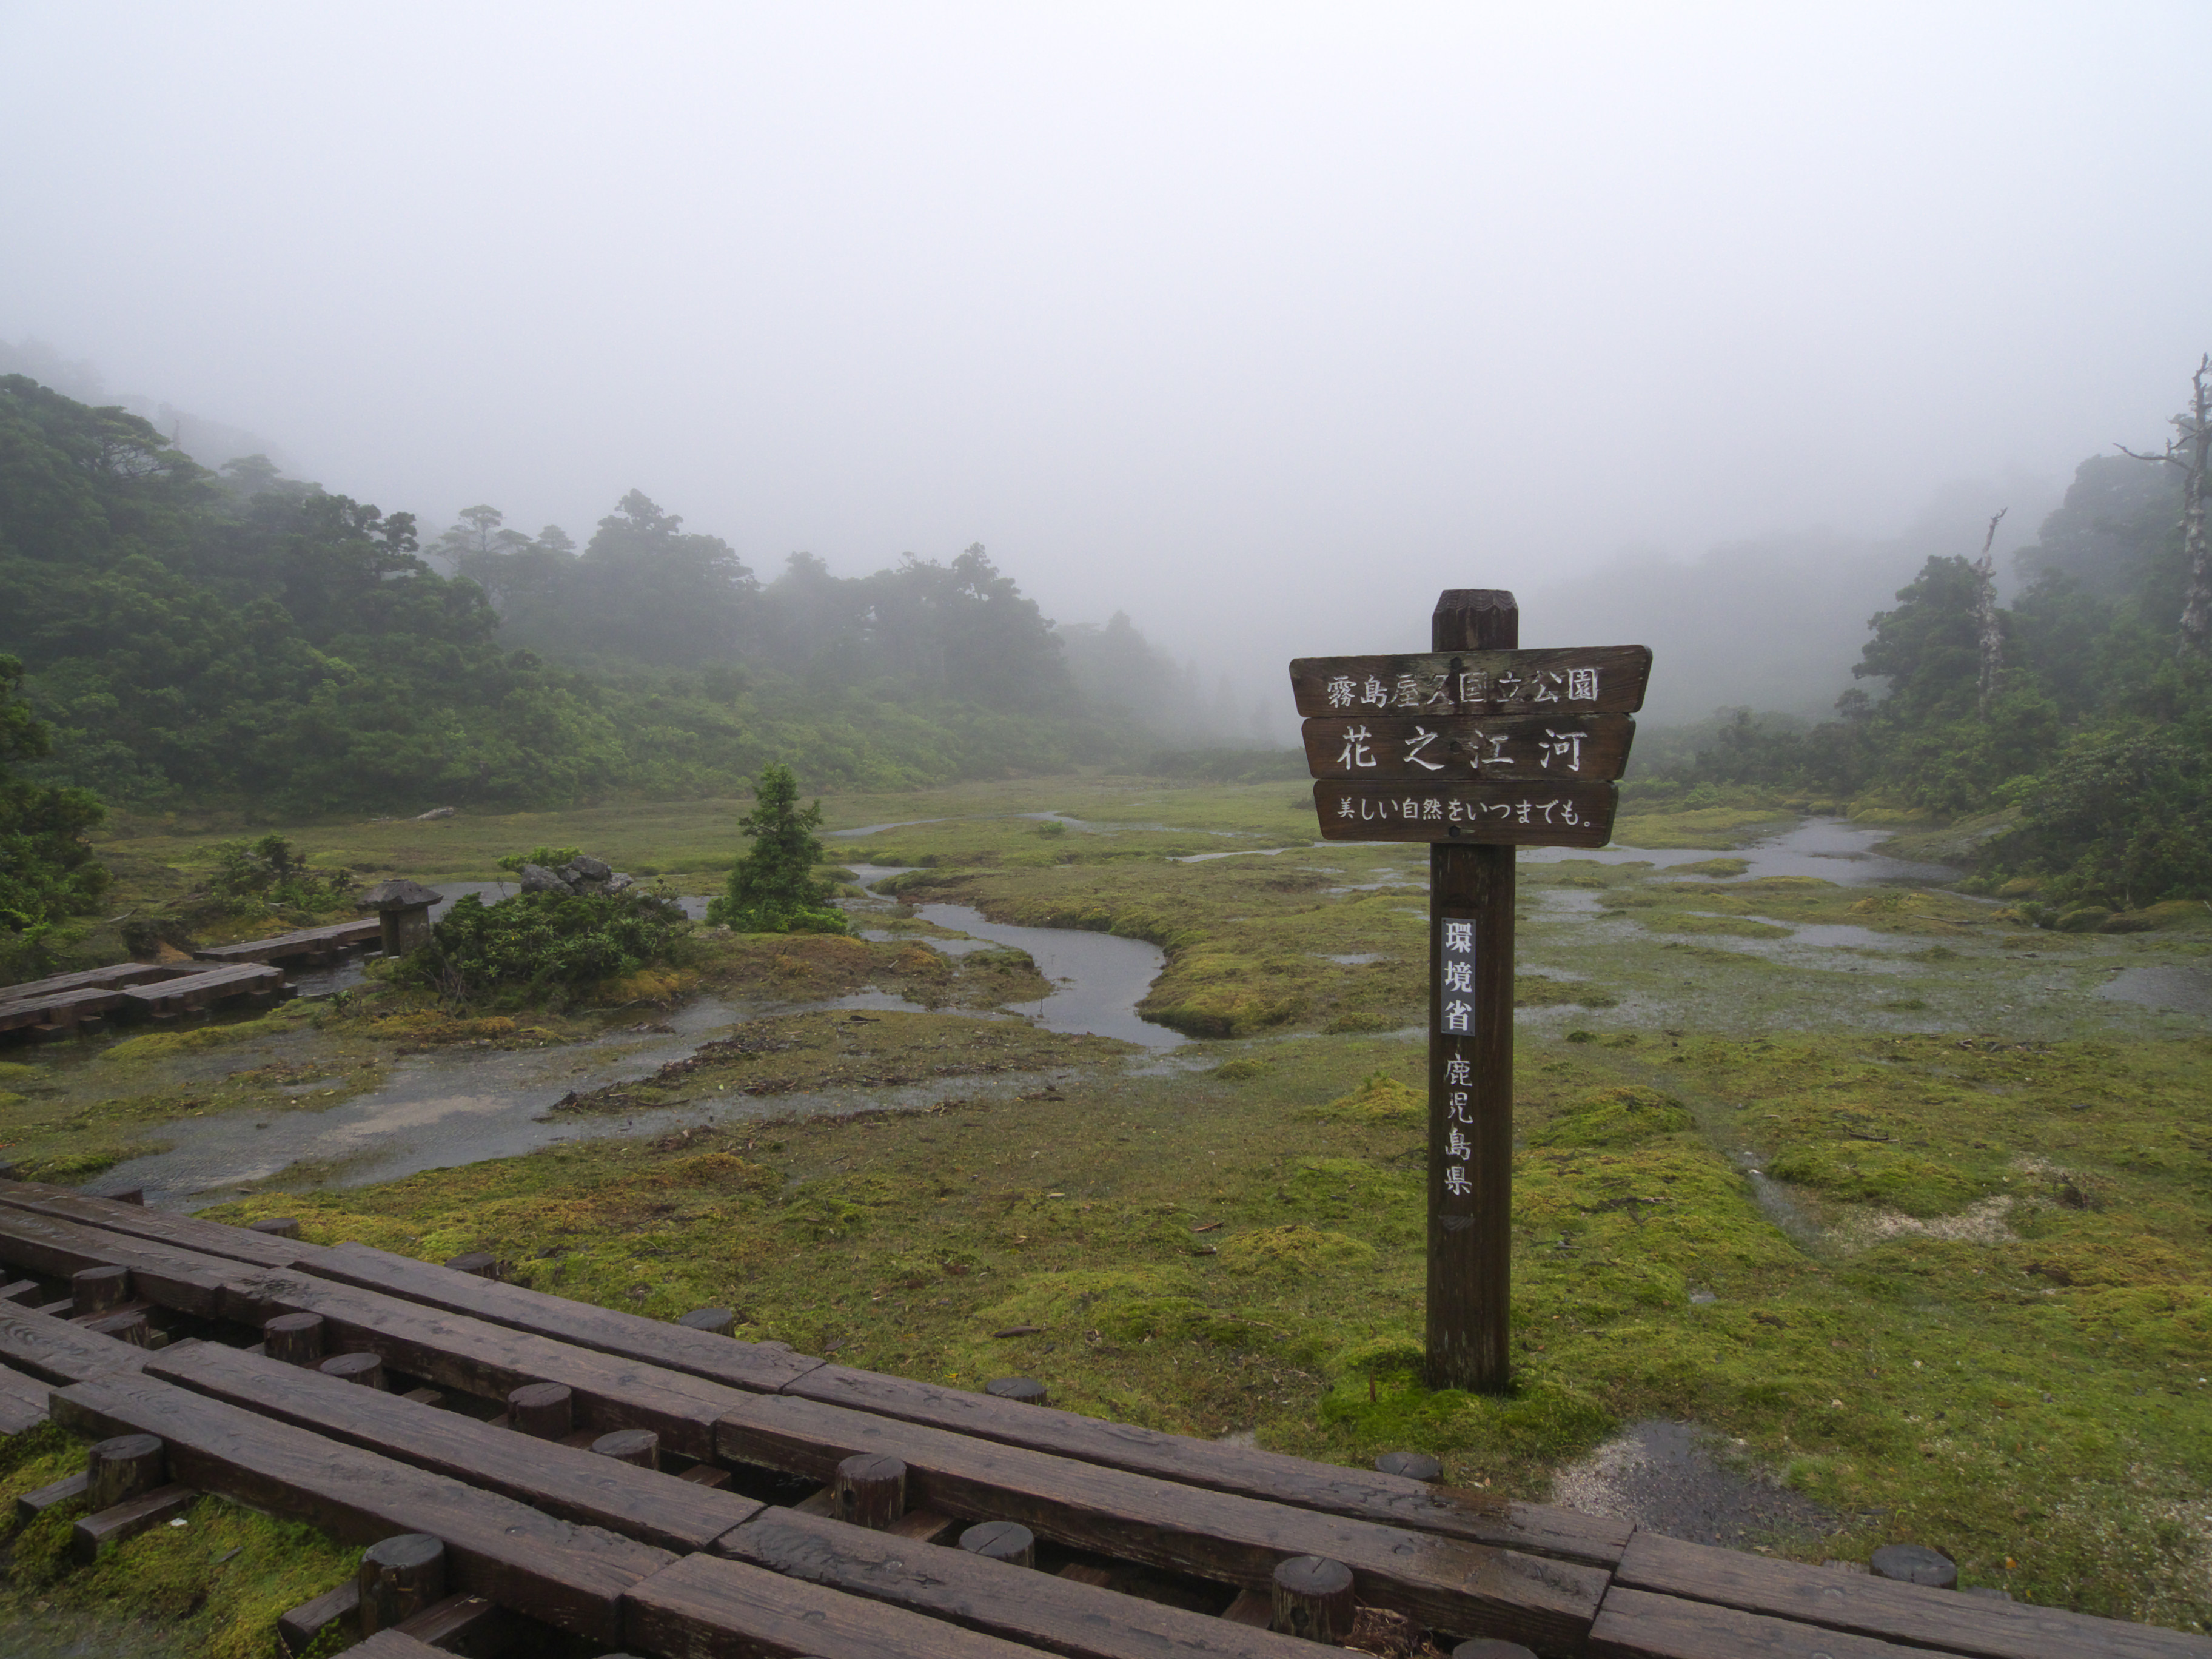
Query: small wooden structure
311	944
403	914
83	1001
1118	1542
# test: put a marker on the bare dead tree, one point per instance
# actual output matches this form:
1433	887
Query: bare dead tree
2189	451
1985	613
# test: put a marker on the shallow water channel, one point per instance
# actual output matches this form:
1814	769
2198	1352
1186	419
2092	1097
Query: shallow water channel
438	1109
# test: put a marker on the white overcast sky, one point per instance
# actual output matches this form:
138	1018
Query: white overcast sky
1263	322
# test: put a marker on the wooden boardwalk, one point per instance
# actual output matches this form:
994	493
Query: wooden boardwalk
664	1490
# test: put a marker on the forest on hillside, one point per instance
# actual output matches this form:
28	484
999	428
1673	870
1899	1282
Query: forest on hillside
2069	729
239	638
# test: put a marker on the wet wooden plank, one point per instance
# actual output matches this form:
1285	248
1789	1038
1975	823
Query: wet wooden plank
53	1350
156	1226
470	1356
1634	1625
1880	1608
572	1485
569	1576
308	941
94	1536
1572	748
109	978
1447	1584
22	1401
704	1607
163	997
677	1347
1035	1608
54	1248
1538	814
1389	1499
1594	680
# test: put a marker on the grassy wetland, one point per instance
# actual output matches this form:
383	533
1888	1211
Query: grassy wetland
1905	1203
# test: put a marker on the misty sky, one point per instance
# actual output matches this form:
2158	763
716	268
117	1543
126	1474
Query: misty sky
1262	322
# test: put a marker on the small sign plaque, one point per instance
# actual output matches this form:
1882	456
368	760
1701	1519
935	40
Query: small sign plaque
1600	679
1554	748
1477	814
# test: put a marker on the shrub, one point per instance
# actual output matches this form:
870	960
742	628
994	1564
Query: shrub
542	940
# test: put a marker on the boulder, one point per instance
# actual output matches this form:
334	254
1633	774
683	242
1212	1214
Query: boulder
589	868
618	881
536	878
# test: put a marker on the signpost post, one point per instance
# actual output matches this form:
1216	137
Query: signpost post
1476	748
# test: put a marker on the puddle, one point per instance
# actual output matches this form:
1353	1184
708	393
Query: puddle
1241	852
1666	1476
1351	959
1828	850
878	829
2169	989
1101	978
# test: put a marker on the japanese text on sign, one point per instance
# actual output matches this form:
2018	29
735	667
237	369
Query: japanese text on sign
1456	1024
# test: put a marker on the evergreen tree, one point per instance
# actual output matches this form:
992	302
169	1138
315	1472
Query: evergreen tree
772	888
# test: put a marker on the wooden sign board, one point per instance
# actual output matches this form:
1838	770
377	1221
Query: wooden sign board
1605	679
1549	748
1478	814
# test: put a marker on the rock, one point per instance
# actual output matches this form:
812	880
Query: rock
589	868
434	813
618	881
536	878
1915	1564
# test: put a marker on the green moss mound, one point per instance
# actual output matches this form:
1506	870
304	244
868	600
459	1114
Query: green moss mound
1294	1250
1626	1116
1380	1099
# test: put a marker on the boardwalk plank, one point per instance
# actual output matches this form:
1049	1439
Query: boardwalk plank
184	1280
704	1607
53	1350
22	1401
677	1347
156	1227
1392	1500
572	1485
569	1576
1878	1608
1636	1624
1447	1584
1018	1603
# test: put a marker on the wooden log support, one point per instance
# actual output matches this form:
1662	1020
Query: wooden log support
67	1489
544	1411
365	1370
96	1289
1022	1390
869	1490
125	1466
566	1482
400	1577
300	1629
172	1278
53	1350
571	1577
207	1238
22	1293
294	1339
715	1321
467	1624
96	1533
1001	1540
1312	1600
640	1448
131	1327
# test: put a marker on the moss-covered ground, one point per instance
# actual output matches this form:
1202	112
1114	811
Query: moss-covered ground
1870	1179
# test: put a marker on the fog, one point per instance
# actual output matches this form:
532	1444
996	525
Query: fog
1700	324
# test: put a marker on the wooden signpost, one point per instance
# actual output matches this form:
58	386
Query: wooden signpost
1477	748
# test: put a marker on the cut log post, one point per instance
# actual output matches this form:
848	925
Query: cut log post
1414	1466
638	1446
276	1226
1001	1540
366	1368
95	1290
717	1321
400	1577
481	1263
869	1490
128	1466
1313	1599
1026	1389
544	1411
296	1339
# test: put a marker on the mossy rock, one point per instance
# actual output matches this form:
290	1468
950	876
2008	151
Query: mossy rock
1236	1070
1381	1099
1625	1116
2084	918
1294	1250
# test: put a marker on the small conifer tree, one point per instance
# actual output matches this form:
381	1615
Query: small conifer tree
773	888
